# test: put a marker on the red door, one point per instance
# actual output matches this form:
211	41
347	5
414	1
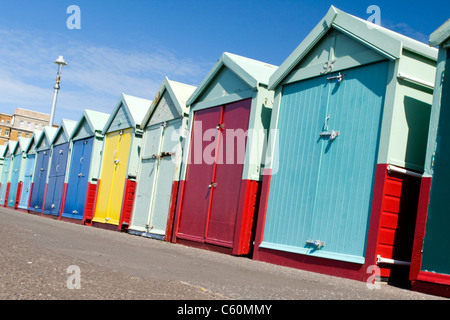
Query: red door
210	201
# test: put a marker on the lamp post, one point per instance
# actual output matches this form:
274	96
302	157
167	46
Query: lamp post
60	62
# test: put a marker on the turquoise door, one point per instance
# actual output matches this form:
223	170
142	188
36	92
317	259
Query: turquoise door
27	179
436	243
15	171
320	195
5	176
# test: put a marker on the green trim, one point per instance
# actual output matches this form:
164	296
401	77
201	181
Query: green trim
313	253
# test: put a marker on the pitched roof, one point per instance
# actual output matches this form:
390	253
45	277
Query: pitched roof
35	137
251	71
22	143
47	133
135	107
96	121
179	92
380	39
67	126
10	147
440	34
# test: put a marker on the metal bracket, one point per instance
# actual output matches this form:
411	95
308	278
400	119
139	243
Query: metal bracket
317	243
332	135
380	259
213	184
339	77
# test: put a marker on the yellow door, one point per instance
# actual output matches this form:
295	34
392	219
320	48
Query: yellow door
112	177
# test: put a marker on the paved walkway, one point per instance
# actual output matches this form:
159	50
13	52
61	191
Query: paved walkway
42	258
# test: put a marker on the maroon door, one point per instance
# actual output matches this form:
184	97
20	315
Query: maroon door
209	207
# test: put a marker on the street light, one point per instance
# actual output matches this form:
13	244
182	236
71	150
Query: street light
60	62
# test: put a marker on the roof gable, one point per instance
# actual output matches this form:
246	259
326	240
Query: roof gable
135	109
250	71
178	93
384	41
10	147
33	140
45	139
94	120
440	35
21	145
64	132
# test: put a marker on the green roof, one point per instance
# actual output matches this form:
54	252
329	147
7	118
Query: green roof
96	121
67	126
179	92
135	107
251	71
48	133
380	39
440	35
35	137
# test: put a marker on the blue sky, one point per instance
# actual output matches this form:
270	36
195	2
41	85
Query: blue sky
130	46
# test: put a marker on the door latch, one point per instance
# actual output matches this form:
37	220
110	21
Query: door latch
332	135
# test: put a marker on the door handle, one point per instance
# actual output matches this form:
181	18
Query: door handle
332	135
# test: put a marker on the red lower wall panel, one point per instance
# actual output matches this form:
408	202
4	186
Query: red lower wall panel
172	208
63	200
8	186
18	194
397	224
90	203
127	204
392	220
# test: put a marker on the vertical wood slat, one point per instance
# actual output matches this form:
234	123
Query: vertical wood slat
322	190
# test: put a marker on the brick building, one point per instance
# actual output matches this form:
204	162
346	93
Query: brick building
21	123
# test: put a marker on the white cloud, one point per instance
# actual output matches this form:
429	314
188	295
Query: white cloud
94	78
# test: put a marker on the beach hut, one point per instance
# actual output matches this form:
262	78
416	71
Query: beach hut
17	171
120	159
84	169
2	159
349	129
28	171
430	264
6	176
43	145
164	127
59	157
221	170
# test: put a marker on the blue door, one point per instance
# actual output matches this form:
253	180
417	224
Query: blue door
5	176
40	179
78	178
56	175
320	197
15	171
28	177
